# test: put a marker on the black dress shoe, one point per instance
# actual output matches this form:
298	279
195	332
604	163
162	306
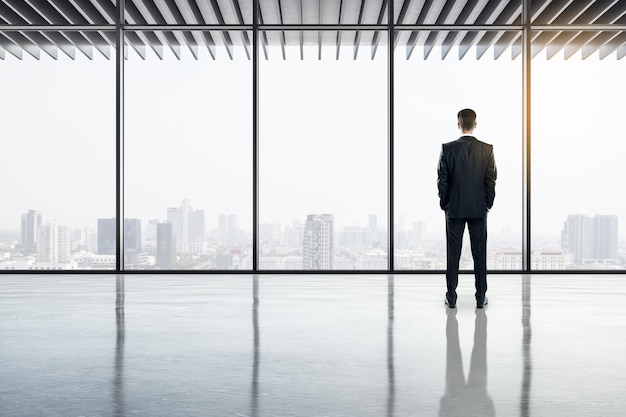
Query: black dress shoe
449	304
482	303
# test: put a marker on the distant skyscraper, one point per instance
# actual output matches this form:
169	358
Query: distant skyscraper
53	243
189	226
317	251
590	237
228	227
31	221
107	236
166	246
373	221
132	236
606	237
294	235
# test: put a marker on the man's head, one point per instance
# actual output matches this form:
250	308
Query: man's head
467	120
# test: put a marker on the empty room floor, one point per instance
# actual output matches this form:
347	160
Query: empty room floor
311	345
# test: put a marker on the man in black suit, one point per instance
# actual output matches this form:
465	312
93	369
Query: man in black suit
467	187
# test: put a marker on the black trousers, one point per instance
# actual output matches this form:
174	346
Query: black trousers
478	239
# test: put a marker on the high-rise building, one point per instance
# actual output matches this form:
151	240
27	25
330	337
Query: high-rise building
606	237
53	243
31	221
590	237
293	236
373	221
165	246
228	227
107	236
189	227
132	236
317	248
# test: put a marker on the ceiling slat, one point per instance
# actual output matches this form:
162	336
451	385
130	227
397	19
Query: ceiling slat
483	18
10	47
11	17
583	38
209	42
381	16
441	19
590	15
244	35
46	10
421	18
357	35
613	45
463	18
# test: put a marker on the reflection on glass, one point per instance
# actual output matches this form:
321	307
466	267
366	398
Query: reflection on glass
526	341
323	152
429	92
118	378
58	147
256	361
188	153
391	374
578	207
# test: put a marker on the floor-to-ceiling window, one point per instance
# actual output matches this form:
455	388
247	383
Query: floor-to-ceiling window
432	85
323	153
578	200
319	155
57	166
188	152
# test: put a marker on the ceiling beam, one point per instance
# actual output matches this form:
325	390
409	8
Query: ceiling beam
614	15
209	42
8	45
339	32
483	18
190	41
381	17
153	40
158	18
590	15
35	18
46	10
421	18
613	45
357	35
11	17
511	13
245	39
463	18
431	40
301	33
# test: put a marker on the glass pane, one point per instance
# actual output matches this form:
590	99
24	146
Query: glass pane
58	152
188	152
323	152
431	86
195	12
578	106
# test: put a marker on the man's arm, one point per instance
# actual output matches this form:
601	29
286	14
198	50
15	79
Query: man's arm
442	181
491	175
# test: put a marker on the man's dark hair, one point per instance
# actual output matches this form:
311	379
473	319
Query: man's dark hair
467	119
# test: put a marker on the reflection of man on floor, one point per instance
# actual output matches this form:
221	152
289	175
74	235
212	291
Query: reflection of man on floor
466	399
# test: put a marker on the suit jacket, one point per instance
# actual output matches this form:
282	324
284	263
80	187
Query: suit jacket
466	178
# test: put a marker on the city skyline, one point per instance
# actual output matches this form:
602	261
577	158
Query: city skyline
314	242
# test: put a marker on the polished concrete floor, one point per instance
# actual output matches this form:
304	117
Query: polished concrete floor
311	346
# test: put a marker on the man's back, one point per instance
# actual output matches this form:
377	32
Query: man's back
466	178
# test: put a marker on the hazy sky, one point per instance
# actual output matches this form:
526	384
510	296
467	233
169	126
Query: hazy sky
323	137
